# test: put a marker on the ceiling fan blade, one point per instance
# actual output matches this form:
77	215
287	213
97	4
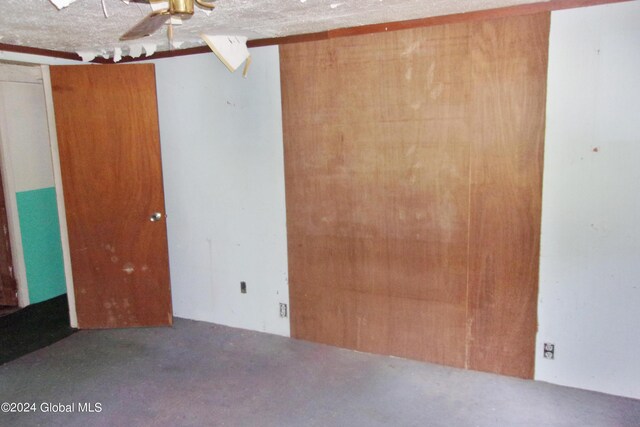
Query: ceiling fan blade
147	26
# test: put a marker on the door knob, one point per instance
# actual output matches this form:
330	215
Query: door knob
156	216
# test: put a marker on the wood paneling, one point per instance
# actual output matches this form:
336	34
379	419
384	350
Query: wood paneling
380	136
38	51
109	142
509	86
376	161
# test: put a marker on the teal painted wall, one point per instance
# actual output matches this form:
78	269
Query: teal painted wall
40	229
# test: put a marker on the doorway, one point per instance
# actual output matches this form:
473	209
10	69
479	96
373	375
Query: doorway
8	284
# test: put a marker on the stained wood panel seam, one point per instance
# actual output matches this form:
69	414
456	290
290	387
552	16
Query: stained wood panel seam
466	316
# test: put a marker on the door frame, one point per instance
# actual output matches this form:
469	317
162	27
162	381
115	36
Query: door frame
57	179
30	75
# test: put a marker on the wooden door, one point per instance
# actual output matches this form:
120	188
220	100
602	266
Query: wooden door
109	142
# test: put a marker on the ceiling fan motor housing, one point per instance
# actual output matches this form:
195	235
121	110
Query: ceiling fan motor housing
181	7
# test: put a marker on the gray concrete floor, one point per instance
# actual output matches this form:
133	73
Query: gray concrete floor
198	374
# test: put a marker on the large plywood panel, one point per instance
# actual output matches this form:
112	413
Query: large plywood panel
376	161
413	166
509	85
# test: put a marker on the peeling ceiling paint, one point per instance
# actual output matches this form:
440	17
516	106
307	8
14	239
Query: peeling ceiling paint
83	27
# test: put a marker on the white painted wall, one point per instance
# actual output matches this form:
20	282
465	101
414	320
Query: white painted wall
224	188
27	134
589	301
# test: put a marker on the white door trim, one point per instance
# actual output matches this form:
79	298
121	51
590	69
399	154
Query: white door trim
57	178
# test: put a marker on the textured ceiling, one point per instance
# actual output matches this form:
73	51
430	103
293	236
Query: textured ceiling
83	26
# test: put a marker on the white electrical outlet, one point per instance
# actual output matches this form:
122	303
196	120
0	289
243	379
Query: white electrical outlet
549	350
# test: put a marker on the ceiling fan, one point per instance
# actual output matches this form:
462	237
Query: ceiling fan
150	24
